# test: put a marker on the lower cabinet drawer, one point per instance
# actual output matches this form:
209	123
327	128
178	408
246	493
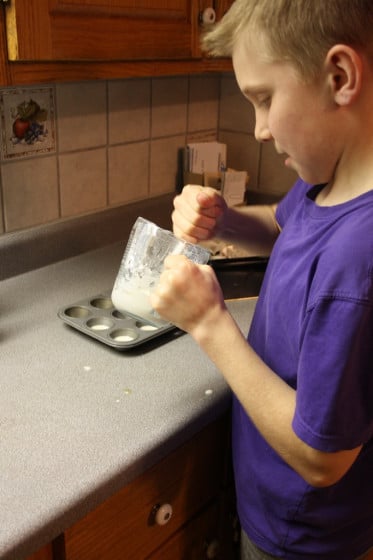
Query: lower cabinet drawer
138	519
45	553
197	540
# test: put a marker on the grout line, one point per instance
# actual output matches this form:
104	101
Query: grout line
57	154
150	139
2	204
107	144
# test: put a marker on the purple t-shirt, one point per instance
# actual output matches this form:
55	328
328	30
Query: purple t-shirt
313	325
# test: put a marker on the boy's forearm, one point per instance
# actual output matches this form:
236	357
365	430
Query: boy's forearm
253	227
268	400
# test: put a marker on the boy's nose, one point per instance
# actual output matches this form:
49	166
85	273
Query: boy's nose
262	133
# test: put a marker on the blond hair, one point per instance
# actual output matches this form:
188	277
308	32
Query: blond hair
297	31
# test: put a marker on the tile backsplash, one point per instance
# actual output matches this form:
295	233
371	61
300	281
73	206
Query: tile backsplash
102	144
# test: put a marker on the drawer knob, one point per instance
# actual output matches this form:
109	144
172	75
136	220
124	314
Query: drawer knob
212	549
208	16
163	514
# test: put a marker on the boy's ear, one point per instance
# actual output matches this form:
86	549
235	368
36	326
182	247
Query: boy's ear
344	68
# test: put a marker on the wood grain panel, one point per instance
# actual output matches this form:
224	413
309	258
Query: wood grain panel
123	527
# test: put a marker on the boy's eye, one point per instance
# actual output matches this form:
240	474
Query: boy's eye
260	99
264	101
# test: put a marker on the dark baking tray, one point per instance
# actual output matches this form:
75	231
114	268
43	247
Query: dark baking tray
97	317
240	276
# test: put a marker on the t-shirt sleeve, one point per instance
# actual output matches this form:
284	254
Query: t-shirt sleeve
290	201
335	377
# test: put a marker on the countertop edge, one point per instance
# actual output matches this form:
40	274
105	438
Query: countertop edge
26	250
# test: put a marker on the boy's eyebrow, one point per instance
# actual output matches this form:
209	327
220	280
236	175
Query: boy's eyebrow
253	93
254	90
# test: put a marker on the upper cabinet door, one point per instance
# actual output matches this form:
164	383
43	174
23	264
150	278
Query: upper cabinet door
95	30
223	6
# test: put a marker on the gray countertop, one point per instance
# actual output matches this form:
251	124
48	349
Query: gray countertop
78	419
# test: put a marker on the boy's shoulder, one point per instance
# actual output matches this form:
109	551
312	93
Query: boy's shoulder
346	259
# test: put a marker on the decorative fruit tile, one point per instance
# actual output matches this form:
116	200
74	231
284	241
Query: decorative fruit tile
27	122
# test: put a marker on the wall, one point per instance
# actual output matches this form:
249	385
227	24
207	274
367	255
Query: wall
107	144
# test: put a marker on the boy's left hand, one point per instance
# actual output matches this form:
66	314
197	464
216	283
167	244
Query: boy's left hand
188	295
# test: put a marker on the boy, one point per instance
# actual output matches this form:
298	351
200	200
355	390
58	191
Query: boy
303	381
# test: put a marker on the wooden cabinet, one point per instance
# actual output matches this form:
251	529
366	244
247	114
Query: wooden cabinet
197	540
51	30
52	551
188	485
56	40
45	553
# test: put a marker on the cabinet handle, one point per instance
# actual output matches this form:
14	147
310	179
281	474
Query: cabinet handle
208	16
162	513
212	549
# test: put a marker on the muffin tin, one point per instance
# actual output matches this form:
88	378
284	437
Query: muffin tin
98	318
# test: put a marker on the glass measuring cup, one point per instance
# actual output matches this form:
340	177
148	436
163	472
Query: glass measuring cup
142	264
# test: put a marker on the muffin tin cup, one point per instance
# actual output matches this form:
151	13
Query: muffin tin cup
98	318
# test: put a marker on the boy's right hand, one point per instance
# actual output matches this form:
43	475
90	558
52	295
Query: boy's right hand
198	213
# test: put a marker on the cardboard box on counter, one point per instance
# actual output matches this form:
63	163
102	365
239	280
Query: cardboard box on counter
233	186
231	183
200	157
205	164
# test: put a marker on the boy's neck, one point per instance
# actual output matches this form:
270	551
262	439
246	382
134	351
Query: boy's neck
334	193
354	174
